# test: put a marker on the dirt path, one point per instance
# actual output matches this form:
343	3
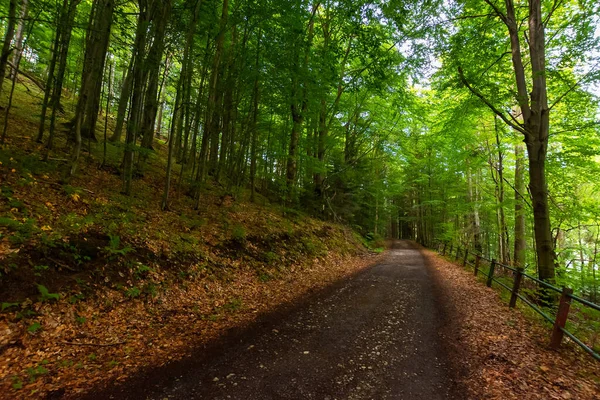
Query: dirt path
375	336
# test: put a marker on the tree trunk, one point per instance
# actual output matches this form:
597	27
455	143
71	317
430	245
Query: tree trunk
255	103
8	37
152	66
50	80
63	51
215	96
298	110
520	241
123	102
536	123
93	67
176	112
137	85
19	37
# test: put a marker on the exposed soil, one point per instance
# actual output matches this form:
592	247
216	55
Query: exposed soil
375	335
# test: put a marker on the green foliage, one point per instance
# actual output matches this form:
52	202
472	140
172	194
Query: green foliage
233	305
133	292
264	276
37	371
114	248
21	231
238	234
17	383
271	257
6	306
45	295
150	289
34	328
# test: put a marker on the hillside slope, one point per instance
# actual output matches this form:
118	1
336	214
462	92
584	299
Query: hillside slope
95	285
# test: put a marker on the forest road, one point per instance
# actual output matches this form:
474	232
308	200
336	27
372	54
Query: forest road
376	335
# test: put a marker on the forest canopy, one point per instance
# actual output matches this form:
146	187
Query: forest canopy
473	123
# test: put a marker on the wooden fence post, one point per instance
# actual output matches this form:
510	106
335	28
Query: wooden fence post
561	317
465	258
490	277
457	253
450	251
516	286
477	261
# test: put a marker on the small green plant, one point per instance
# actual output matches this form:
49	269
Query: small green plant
213	317
271	257
45	295
80	319
34	328
233	305
112	363
114	247
6	306
92	357
264	277
36	372
142	270
39	269
76	298
133	292
65	363
238	234
17	383
25	314
150	289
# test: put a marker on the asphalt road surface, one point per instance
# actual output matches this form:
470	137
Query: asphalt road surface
376	335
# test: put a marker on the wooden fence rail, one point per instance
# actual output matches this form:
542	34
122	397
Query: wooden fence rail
559	323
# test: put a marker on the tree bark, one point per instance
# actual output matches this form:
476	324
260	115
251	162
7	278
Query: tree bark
152	66
8	37
520	240
137	85
19	37
64	34
123	102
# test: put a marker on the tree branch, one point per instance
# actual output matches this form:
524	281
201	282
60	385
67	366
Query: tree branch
498	12
572	87
489	104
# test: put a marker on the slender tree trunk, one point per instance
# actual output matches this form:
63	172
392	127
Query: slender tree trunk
63	52
12	89
91	81
152	66
50	80
138	92
255	103
298	111
123	102
176	112
19	36
536	115
215	95
520	240
8	37
108	100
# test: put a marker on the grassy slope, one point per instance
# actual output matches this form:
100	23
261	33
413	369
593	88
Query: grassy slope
129	274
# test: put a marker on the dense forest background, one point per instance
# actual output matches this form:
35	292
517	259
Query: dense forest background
472	122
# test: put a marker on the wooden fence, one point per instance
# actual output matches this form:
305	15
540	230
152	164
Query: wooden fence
520	280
